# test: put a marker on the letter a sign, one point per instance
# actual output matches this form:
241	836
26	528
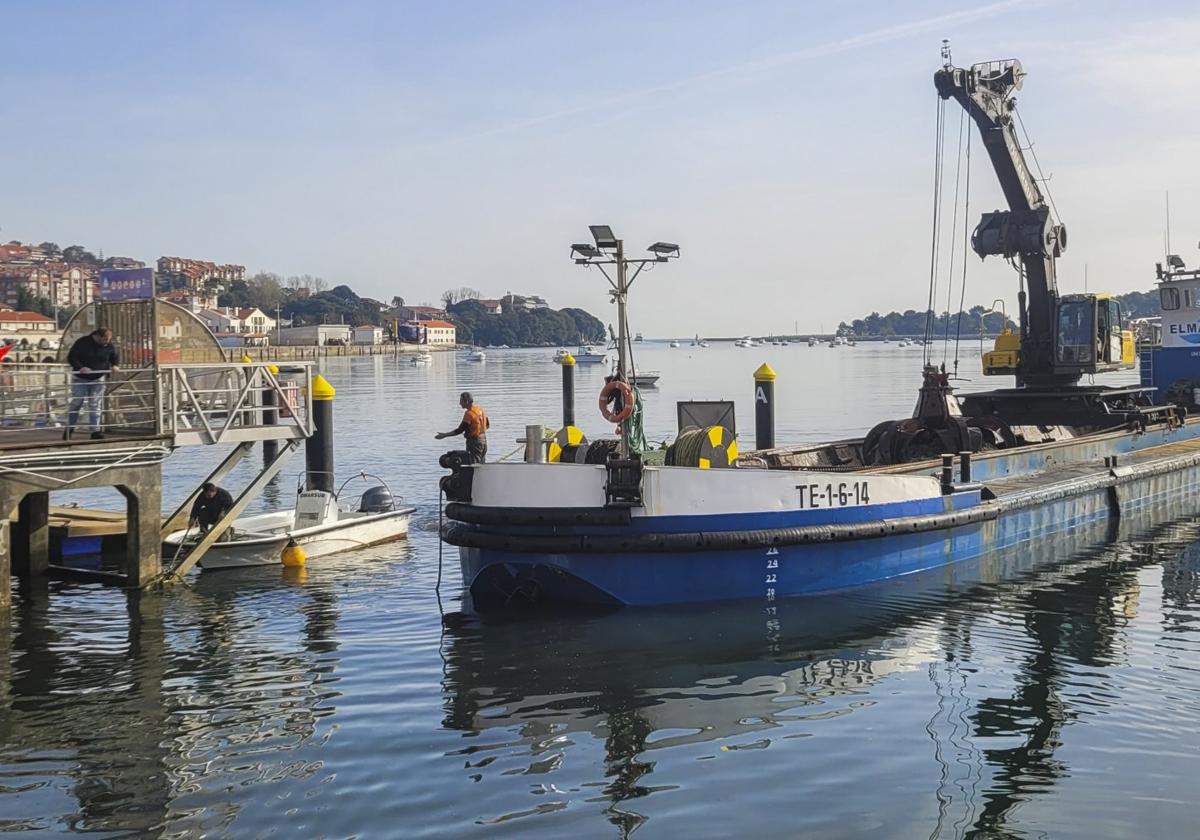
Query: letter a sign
760	396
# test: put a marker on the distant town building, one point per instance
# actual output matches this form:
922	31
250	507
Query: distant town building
315	334
17	321
368	334
494	307
438	332
123	262
227	319
62	284
522	303
420	313
197	275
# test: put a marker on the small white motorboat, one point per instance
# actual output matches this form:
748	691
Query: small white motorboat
646	379
744	342
476	355
561	354
674	343
588	356
423	358
320	524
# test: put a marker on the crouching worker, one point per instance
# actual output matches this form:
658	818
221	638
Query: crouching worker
211	505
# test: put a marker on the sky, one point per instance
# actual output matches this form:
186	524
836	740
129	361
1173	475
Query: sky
407	148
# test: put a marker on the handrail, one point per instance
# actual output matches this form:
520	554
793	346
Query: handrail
192	403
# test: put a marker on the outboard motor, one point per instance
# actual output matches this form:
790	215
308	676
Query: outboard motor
376	500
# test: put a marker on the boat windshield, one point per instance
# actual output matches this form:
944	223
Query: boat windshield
1076	332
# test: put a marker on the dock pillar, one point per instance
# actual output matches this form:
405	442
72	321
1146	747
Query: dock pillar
318	449
143	531
270	417
764	407
568	390
5	565
964	466
29	540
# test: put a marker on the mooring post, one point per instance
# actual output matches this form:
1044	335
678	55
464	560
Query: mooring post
270	415
964	467
318	449
764	407
947	474
568	394
535	444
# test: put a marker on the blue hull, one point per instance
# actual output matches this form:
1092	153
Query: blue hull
498	576
647	579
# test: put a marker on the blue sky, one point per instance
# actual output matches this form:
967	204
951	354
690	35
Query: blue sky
408	148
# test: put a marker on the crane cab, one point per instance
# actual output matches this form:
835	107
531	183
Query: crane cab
1089	336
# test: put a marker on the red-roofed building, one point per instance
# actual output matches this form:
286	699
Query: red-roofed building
438	332
15	319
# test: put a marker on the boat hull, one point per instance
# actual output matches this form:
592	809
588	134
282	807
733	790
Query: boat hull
320	541
769	556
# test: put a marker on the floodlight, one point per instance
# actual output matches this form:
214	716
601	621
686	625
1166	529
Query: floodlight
604	236
664	249
584	251
1174	261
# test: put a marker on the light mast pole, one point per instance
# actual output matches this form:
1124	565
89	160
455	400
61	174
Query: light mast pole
609	250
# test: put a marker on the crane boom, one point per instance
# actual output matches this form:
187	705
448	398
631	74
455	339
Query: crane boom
1025	231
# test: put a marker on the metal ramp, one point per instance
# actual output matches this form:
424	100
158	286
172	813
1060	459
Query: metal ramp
186	561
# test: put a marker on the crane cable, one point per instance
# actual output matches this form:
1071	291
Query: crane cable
937	202
962	293
958	162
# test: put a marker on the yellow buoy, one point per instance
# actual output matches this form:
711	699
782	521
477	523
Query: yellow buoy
292	556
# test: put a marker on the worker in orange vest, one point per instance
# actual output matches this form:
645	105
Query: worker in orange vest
473	427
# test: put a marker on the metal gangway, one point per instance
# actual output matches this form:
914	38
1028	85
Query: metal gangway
142	415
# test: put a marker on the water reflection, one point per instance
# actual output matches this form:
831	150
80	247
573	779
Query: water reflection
132	719
642	685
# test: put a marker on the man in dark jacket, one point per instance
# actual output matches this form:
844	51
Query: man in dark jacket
212	503
92	358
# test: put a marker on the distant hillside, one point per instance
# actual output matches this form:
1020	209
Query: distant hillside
526	328
912	322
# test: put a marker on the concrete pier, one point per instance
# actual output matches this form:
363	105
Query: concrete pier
25	498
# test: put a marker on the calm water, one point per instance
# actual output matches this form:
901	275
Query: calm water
1052	691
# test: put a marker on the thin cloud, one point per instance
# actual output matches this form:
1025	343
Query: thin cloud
865	39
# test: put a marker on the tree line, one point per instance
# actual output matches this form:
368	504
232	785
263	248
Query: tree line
524	328
969	322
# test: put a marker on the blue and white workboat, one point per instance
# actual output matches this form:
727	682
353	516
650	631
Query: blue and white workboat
613	522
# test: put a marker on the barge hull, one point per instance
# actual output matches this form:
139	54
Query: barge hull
1025	508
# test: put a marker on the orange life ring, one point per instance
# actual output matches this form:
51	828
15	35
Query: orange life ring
606	396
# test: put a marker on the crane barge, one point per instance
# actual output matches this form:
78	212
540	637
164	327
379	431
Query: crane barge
1043	456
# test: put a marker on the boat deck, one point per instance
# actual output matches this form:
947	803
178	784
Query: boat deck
1062	479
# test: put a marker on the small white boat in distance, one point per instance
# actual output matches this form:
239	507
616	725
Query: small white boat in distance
476	355
587	356
744	342
674	343
319	524
423	358
646	379
561	353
